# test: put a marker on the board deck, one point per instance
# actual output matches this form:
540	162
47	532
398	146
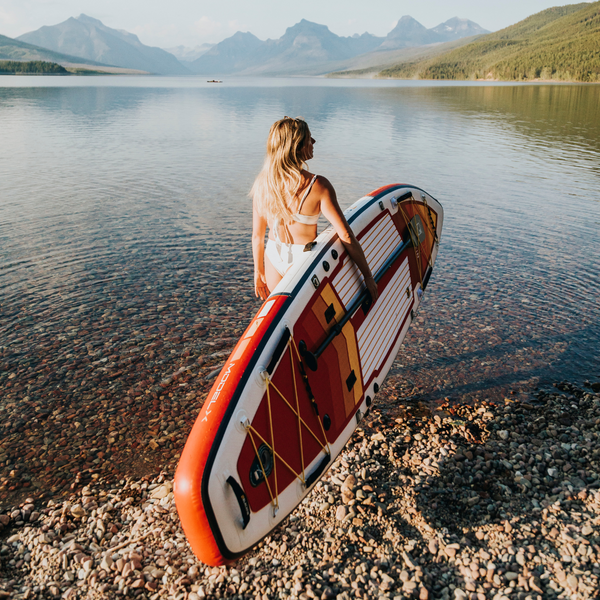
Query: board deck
304	374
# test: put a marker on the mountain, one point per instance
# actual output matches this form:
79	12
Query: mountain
186	54
456	28
409	32
306	44
560	43
364	43
302	45
15	50
90	38
232	55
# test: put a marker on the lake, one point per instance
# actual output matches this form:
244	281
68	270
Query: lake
125	260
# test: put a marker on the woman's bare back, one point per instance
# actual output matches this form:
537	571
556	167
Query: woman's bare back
301	233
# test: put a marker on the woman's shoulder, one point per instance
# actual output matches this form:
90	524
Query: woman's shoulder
319	180
322	185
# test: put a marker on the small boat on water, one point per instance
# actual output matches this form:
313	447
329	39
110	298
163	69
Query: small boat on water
214	81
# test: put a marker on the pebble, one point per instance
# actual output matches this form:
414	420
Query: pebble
341	513
78	511
161	491
349	484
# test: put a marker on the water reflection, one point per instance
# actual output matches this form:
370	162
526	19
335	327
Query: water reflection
117	200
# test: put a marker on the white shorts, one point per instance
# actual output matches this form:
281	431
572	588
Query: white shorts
282	255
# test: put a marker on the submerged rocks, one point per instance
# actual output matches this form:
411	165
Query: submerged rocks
113	387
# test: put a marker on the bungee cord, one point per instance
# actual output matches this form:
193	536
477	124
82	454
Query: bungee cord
254	433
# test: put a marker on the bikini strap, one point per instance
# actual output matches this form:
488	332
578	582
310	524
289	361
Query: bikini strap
276	224
306	193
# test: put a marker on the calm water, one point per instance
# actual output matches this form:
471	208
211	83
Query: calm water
124	220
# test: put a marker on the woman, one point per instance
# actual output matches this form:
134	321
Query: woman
289	199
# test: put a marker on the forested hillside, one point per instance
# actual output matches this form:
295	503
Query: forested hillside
561	43
32	66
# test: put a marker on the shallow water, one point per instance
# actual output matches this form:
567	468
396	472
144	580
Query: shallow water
125	225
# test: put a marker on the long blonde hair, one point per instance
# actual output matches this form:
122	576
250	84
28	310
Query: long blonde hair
280	179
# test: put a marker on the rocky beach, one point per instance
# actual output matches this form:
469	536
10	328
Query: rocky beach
488	500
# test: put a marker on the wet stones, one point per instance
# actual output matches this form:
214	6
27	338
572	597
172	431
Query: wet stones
87	384
341	512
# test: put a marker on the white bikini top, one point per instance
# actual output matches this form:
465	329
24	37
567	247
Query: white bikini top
306	219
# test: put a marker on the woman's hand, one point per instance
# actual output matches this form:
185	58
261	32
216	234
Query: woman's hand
333	213
372	288
259	227
260	286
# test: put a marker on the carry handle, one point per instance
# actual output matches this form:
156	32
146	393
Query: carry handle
318	471
242	500
363	300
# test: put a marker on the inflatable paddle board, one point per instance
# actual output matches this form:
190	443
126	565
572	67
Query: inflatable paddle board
304	374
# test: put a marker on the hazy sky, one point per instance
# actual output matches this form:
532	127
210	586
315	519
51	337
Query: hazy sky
191	22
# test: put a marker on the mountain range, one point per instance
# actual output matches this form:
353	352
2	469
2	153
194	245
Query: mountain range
561	43
305	48
310	48
90	39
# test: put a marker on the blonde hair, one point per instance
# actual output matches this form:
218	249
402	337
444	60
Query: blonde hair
278	182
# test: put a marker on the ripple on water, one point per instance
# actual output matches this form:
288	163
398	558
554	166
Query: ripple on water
125	262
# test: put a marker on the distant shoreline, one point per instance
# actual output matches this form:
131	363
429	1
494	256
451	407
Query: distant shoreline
41	67
70	74
80	69
374	76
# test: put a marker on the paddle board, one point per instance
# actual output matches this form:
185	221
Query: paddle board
303	375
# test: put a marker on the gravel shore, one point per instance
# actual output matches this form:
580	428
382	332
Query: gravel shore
463	501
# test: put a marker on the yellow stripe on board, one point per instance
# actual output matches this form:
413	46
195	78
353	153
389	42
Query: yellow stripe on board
348	333
345	346
330	298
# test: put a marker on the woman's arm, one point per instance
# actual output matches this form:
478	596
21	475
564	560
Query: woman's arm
333	213
259	227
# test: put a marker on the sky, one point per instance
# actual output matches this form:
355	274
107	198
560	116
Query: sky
193	22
